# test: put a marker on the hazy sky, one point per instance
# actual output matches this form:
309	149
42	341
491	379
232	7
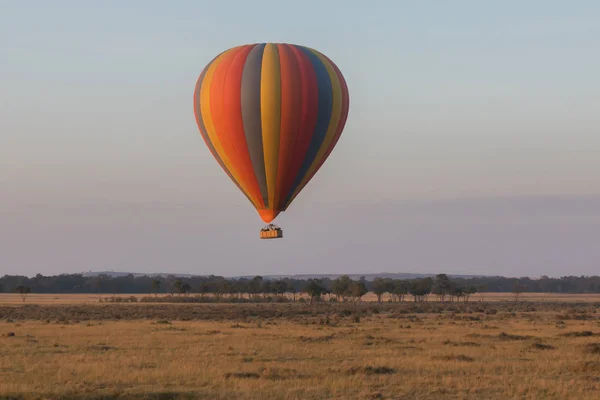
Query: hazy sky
102	165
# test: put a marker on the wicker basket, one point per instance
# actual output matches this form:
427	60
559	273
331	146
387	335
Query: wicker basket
271	234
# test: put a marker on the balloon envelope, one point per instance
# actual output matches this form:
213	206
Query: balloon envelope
271	113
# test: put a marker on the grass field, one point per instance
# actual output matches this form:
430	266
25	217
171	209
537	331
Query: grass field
63	348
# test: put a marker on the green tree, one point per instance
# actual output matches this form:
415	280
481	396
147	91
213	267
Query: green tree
357	290
98	283
291	289
441	286
458	292
517	290
341	287
24	291
314	289
156	286
380	287
185	288
420	288
400	289
266	288
482	288
255	286
279	287
470	290
178	286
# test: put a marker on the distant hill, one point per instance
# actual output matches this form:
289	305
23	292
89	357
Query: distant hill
369	277
114	274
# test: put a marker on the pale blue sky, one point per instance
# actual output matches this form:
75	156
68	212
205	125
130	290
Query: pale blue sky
102	165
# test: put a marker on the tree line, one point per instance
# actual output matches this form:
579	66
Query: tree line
342	288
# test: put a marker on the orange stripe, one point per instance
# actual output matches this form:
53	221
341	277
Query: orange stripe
203	130
205	105
225	101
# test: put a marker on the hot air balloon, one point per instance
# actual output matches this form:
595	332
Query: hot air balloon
271	113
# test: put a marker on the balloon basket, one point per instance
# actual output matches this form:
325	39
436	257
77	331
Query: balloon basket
271	232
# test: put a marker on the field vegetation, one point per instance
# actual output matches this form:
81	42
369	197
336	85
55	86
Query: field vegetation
295	350
343	286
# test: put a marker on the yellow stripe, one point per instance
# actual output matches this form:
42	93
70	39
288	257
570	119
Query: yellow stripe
210	127
336	114
270	107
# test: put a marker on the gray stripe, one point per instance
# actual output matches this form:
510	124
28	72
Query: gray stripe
251	116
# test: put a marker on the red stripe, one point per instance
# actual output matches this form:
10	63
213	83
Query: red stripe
309	97
226	110
290	117
340	126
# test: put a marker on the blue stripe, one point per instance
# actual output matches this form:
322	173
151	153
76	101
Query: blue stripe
325	107
251	116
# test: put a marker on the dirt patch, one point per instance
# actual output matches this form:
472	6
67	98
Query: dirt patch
370	370
455	357
587	366
101	347
580	334
457	344
242	375
316	339
507	336
592	348
542	346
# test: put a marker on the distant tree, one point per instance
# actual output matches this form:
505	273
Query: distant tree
291	289
24	291
178	286
420	288
225	287
254	286
441	286
517	290
279	287
99	280
400	289
358	289
314	289
204	288
458	292
380	287
341	287
470	290
185	288
156	286
267	288
482	288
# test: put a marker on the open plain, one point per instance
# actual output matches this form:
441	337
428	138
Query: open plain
88	349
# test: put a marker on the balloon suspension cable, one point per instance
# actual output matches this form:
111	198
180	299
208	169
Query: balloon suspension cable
271	227
271	231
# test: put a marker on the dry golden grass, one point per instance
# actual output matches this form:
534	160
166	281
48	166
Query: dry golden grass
35	298
474	352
